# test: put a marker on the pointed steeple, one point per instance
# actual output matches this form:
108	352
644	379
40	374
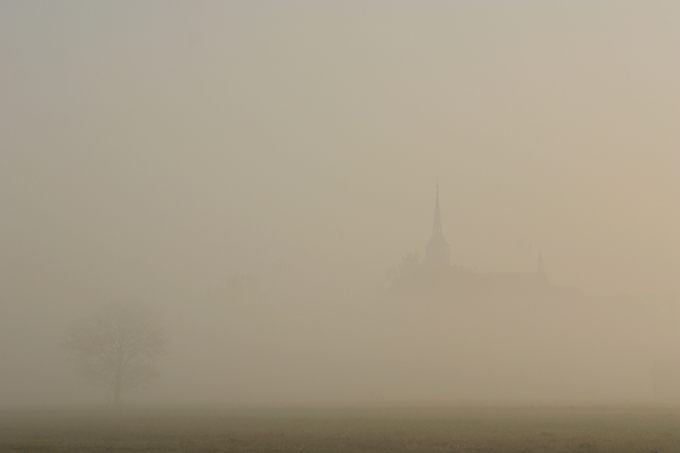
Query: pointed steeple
540	266
437	226
437	250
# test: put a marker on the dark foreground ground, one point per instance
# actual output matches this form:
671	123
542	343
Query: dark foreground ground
459	429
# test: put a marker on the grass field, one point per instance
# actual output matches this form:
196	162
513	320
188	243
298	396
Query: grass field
455	429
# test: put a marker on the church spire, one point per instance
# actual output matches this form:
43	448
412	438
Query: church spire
540	267
437	226
437	250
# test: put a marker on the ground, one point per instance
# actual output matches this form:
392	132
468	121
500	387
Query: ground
451	429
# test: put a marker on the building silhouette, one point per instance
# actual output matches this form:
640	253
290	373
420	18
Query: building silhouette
436	273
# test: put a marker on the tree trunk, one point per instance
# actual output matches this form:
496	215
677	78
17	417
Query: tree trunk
116	394
118	381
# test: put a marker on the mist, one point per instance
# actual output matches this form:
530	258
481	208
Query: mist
167	152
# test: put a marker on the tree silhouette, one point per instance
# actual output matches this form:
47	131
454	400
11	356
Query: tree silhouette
116	348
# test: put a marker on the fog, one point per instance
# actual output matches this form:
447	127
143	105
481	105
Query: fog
162	152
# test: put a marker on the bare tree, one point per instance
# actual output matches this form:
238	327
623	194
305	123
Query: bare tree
116	348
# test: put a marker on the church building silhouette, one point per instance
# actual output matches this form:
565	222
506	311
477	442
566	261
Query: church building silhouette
437	272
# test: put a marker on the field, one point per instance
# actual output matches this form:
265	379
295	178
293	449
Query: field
454	429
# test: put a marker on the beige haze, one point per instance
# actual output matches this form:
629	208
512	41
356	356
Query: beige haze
149	150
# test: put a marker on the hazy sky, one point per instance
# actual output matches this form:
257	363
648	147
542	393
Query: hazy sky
148	149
